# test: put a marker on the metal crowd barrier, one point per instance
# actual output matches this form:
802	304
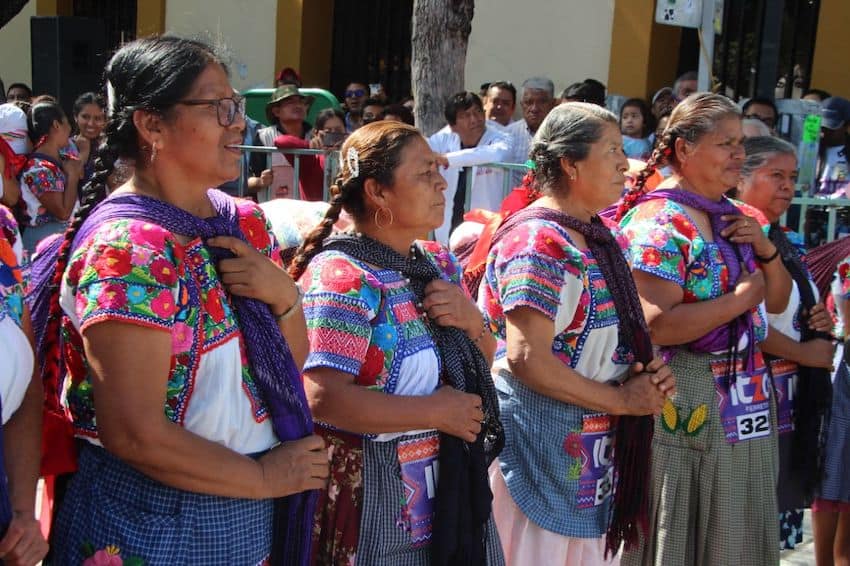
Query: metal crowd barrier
805	203
296	168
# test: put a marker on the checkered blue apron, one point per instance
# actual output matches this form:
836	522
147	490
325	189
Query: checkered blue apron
382	541
110	503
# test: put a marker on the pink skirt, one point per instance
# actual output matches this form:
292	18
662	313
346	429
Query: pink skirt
524	542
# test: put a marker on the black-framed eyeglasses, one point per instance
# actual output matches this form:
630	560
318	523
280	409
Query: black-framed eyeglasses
226	108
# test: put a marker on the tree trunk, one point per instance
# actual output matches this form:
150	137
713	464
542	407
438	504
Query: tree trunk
440	36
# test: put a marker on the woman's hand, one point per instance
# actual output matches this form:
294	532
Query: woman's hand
84	147
254	275
457	413
750	288
23	544
73	168
819	319
295	466
660	375
745	230
316	140
641	396
447	305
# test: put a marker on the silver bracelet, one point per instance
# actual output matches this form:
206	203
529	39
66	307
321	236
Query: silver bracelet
292	308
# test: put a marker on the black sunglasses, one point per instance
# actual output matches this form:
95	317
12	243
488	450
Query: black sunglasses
226	108
353	93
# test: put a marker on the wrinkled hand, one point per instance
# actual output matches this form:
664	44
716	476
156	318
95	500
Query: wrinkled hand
254	275
819	319
659	373
295	466
750	288
23	544
457	413
266	177
447	305
746	230
818	353
641	396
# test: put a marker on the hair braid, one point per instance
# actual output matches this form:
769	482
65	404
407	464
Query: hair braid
93	193
660	157
313	242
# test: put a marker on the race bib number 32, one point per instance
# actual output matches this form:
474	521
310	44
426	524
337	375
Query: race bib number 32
744	403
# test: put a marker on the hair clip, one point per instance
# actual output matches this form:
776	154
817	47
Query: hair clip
352	159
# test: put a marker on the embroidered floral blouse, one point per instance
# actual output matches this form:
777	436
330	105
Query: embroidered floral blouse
556	460
363	321
40	176
665	242
137	273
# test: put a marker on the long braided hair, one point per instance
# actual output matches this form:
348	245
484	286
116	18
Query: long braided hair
691	119
151	75
371	152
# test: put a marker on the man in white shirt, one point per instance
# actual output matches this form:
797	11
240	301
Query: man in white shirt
537	100
468	142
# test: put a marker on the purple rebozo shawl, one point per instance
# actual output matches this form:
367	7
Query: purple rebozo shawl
271	361
728	336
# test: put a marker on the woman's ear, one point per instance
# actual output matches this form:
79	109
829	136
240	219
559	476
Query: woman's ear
682	150
148	125
569	169
373	194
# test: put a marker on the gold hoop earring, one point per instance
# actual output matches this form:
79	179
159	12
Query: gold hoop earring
378	215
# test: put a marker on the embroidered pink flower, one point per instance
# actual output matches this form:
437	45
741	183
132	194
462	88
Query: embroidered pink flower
141	256
112	296
572	445
515	241
146	233
182	337
164	272
549	243
105	557
163	305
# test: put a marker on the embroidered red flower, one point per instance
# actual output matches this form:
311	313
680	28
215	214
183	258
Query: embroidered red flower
651	257
113	262
684	226
372	367
255	231
341	276
164	272
549	243
572	445
213	306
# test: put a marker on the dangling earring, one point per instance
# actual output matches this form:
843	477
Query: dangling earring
378	215
154	149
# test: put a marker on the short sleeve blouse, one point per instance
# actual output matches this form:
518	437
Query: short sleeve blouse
363	321
39	177
665	242
138	273
537	265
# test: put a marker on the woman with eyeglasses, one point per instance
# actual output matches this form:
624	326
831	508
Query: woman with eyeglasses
182	339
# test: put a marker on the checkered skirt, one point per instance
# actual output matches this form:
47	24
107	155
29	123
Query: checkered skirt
382	541
836	478
110	503
711	503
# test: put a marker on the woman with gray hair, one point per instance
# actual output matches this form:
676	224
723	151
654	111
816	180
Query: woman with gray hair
557	292
798	348
703	270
